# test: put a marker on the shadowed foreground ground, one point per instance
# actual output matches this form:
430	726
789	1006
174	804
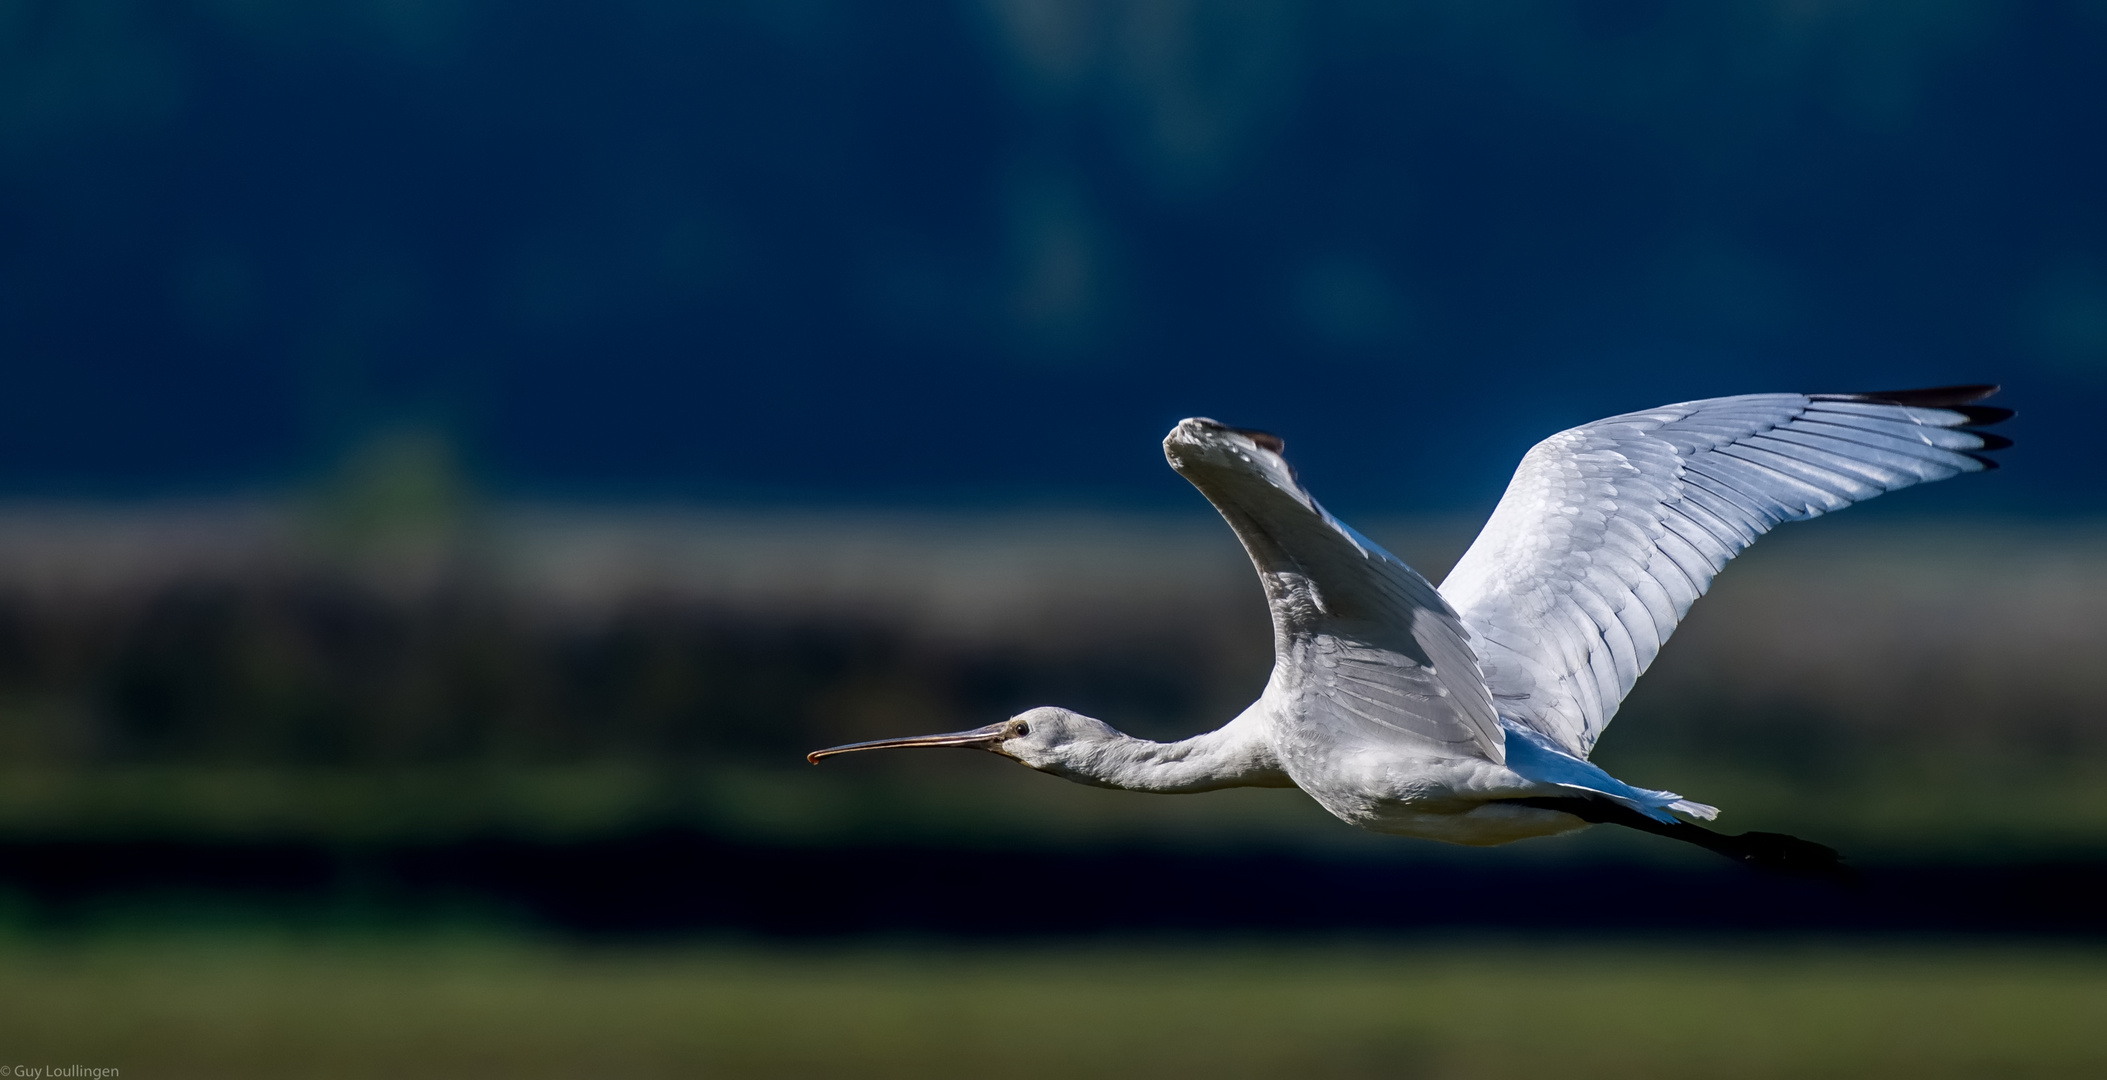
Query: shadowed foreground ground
167	1005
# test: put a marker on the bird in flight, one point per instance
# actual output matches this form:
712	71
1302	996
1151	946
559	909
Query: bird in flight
1466	713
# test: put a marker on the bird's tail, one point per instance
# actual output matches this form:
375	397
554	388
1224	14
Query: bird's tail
1538	758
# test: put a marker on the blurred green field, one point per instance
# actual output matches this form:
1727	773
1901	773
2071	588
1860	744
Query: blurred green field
159	1003
1923	808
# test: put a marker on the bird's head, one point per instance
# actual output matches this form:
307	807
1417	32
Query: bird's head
1046	738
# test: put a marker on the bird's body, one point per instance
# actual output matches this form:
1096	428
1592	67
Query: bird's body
1466	713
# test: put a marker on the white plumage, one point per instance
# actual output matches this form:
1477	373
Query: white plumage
1466	713
1610	531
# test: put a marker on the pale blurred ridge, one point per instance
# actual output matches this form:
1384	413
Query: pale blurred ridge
1975	628
1983	634
1923	681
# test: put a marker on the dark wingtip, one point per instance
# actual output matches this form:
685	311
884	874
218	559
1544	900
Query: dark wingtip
1951	398
1266	440
1983	415
1930	397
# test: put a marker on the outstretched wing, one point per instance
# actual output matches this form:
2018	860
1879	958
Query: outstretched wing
1610	531
1379	657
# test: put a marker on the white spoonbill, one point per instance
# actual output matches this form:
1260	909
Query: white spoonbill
1466	713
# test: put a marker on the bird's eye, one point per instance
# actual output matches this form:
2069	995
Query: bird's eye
1023	728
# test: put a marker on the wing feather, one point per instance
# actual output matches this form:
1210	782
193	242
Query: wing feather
1790	445
1610	531
1370	646
1679	570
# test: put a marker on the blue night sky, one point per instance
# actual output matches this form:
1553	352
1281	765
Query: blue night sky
985	253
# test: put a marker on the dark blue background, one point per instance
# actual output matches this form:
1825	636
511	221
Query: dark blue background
944	253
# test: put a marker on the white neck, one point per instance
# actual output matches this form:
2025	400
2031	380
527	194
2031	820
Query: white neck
1234	755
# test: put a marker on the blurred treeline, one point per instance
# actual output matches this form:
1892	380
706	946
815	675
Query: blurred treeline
248	645
390	621
391	659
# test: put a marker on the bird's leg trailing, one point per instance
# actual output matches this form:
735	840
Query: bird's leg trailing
1774	852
